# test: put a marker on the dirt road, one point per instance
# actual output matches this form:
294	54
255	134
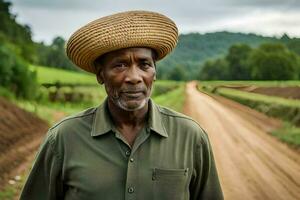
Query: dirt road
251	163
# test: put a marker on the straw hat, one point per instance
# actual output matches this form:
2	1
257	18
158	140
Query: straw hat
121	30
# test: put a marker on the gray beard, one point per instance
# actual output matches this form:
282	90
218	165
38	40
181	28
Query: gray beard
121	105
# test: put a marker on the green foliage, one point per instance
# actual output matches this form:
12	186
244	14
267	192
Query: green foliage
274	62
292	44
15	74
214	70
194	49
54	55
270	61
177	74
20	35
237	60
4	92
289	134
16	49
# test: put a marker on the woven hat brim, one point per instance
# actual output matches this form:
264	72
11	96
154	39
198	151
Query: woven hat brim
122	30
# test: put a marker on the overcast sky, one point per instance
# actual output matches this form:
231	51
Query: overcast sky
50	18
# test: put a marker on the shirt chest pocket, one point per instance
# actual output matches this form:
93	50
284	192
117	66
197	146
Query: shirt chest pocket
170	184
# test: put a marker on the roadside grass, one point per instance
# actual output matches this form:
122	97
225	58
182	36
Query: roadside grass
173	99
285	109
10	191
289	134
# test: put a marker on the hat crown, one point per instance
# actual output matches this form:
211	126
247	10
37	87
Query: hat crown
121	30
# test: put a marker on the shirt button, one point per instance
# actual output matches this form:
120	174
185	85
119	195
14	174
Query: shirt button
131	160
127	153
131	190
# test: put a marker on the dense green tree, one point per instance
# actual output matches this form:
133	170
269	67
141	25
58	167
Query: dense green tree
194	49
236	58
178	74
273	61
54	55
14	72
215	70
293	45
15	33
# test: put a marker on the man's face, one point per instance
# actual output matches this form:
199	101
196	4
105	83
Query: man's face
128	75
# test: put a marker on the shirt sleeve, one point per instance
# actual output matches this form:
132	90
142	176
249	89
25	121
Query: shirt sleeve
205	182
44	181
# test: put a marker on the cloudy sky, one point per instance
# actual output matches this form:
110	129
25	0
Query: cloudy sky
50	18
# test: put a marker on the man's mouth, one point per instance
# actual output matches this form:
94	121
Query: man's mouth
133	93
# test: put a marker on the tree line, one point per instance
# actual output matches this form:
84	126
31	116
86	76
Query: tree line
269	61
18	51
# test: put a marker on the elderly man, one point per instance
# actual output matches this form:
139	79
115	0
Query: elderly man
128	147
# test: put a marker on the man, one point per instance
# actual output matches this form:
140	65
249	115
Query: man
128	147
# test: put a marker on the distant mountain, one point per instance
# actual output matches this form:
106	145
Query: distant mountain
193	49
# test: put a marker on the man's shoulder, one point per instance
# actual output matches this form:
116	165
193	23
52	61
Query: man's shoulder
75	120
168	112
179	120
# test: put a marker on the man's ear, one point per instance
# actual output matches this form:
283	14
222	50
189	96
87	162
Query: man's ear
154	78
99	75
99	79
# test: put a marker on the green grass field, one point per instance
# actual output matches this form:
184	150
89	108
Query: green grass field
54	75
173	99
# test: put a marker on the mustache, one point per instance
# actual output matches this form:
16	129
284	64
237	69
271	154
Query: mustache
133	89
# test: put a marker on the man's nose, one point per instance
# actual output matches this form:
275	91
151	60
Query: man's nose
133	75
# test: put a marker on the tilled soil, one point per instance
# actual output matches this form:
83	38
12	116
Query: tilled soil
285	92
290	92
20	135
251	163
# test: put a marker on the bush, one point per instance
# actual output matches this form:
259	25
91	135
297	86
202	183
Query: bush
15	74
273	62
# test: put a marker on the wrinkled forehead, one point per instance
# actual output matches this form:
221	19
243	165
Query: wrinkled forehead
126	53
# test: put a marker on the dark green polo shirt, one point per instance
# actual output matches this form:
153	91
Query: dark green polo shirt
84	157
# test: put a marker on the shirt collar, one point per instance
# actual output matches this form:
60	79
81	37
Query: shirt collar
155	120
102	122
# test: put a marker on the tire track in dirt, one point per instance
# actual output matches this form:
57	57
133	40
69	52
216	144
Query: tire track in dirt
251	163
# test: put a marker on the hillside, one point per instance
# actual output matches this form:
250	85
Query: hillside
195	48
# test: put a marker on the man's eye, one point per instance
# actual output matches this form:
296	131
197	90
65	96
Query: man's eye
145	64
119	65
